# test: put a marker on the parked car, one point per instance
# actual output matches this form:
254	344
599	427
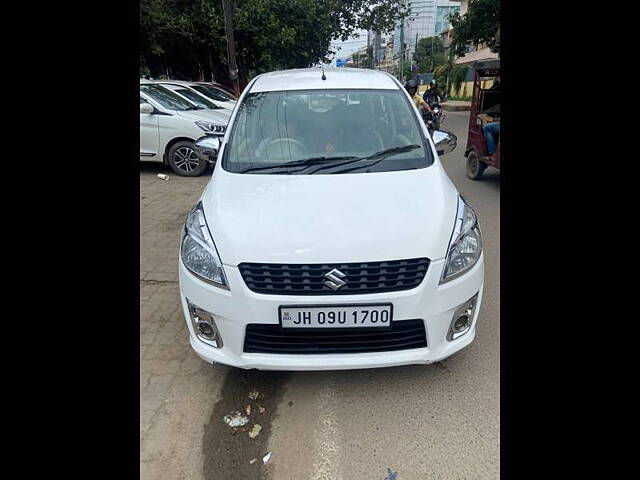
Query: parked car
193	96
192	91
169	124
330	236
216	93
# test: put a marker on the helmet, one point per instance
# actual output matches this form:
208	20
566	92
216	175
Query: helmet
433	82
411	84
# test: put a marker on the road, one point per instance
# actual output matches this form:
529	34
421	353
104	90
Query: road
423	422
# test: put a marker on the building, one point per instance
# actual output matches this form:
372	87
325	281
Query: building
427	18
379	43
442	16
474	53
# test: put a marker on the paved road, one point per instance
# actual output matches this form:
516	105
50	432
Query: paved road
437	421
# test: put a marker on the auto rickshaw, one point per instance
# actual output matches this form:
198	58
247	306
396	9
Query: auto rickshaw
485	106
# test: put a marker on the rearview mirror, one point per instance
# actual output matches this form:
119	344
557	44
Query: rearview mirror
207	147
146	108
445	142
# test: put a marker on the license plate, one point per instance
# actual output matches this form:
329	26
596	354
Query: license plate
336	316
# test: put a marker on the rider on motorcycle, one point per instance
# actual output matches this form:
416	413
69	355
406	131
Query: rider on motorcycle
412	87
432	94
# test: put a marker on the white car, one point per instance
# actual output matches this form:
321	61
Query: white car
169	124
330	236
191	89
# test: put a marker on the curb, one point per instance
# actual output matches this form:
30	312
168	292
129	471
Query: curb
457	107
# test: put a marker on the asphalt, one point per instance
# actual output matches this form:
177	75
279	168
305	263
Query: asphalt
438	421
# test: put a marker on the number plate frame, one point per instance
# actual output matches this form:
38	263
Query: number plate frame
338	305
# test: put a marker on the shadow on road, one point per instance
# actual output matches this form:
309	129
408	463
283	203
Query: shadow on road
156	167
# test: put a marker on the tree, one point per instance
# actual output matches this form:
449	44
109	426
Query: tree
429	53
187	36
481	24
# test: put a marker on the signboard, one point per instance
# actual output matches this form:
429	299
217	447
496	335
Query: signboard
341	62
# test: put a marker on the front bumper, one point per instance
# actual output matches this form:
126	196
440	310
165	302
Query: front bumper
235	308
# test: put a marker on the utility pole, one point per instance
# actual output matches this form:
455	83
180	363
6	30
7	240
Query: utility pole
402	51
415	49
231	47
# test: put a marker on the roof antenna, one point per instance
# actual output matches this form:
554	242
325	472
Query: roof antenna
323	75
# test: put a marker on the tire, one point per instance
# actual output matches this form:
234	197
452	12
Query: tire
475	168
184	161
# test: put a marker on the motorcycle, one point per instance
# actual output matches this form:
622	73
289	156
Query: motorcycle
433	119
438	116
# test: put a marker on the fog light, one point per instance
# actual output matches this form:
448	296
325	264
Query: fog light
461	323
462	318
205	329
204	325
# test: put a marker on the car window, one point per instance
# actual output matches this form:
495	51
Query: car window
213	93
166	97
197	99
273	128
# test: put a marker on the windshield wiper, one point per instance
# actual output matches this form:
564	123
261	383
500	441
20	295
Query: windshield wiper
299	163
195	107
378	156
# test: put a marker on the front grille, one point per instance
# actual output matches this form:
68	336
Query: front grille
301	279
271	338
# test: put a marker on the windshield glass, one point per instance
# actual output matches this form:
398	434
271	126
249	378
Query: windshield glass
196	98
329	131
166	97
214	93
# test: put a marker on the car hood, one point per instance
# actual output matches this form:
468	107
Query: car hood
331	218
220	116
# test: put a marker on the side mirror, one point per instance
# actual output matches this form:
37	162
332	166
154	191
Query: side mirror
146	108
207	148
446	142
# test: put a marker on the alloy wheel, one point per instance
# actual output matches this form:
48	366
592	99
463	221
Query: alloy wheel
186	159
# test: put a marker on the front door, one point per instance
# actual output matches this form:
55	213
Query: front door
149	136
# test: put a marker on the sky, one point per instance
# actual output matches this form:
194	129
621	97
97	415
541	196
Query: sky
349	46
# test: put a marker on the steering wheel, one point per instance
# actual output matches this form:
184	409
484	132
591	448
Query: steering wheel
290	141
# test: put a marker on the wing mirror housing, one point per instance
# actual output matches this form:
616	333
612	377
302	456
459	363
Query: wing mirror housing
207	148
146	108
446	142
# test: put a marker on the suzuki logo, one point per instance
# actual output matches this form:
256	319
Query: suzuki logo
334	279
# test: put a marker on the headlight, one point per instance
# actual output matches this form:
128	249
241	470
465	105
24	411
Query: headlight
466	243
198	252
209	127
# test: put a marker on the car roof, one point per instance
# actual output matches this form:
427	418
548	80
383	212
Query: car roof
336	78
177	82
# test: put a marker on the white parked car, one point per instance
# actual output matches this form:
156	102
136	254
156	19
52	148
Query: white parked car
192	89
169	124
193	96
330	236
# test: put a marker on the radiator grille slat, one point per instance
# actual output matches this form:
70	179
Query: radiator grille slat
361	278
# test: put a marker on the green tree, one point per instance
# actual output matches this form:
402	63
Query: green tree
481	24
187	38
429	53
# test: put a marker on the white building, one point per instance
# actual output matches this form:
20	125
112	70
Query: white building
425	17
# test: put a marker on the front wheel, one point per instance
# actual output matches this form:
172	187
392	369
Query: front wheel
475	168
183	160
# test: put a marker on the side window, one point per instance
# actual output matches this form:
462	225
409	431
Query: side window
142	100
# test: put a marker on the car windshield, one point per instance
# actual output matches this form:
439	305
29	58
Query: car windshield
325	131
166	97
196	98
214	93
